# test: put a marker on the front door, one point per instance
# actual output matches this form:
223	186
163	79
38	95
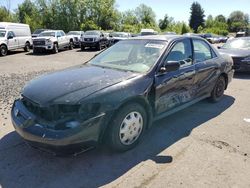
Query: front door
12	40
176	87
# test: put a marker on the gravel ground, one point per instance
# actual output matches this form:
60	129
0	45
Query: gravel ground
205	145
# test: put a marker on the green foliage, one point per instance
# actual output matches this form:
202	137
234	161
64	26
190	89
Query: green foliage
197	16
5	15
238	21
165	22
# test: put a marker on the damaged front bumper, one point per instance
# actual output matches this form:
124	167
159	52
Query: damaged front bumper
82	135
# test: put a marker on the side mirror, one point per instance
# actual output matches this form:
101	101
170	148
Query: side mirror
10	37
219	47
170	66
111	36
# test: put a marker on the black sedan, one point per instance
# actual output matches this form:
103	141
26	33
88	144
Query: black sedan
116	96
239	50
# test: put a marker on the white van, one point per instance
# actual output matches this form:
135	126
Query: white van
148	32
14	36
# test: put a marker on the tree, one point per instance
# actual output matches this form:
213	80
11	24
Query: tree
5	16
163	24
220	18
146	16
197	16
238	21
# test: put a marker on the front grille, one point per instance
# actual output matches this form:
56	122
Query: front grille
46	113
38	42
88	39
237	62
76	39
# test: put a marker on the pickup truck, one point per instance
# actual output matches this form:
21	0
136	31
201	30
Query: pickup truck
52	40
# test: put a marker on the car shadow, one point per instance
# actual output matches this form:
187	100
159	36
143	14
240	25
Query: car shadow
14	52
22	166
89	50
242	75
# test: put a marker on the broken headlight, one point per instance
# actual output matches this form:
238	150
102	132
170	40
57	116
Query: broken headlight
87	111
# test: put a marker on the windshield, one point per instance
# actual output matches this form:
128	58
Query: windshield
237	44
47	34
92	33
119	35
38	31
74	33
132	55
2	33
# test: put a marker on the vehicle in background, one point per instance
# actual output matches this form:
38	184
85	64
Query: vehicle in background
239	50
212	38
118	36
148	32
14	36
223	39
169	33
37	32
242	34
116	96
76	35
52	40
110	40
94	39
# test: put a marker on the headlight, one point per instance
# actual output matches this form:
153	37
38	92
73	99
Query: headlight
48	41
88	111
246	59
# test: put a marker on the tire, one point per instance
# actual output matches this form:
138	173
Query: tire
27	47
218	90
34	50
55	49
127	128
82	48
99	46
3	50
71	45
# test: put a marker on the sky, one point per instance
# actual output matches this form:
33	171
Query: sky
178	9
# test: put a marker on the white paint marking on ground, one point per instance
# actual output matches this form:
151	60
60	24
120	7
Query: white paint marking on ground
247	120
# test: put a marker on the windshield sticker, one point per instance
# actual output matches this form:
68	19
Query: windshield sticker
151	45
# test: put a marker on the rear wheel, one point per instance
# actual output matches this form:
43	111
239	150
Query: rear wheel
27	47
127	127
55	49
218	90
3	50
99	46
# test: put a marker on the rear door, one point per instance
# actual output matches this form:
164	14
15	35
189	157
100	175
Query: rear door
65	40
206	66
175	88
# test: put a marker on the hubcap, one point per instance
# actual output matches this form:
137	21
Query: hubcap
131	128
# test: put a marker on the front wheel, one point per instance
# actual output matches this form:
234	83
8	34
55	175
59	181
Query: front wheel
3	50
71	45
218	90
127	127
55	49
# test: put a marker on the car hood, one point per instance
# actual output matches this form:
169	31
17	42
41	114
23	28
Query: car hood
119	38
43	38
91	36
72	85
235	52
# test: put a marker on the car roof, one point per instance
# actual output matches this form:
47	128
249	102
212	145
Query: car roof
164	37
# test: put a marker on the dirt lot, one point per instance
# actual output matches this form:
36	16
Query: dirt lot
205	145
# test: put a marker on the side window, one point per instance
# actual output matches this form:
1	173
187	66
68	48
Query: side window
62	33
182	52
202	51
11	34
58	34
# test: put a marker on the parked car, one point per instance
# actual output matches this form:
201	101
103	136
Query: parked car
223	39
110	40
148	32
118	36
14	36
52	40
76	35
212	38
116	96
94	39
239	50
242	34
37	32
